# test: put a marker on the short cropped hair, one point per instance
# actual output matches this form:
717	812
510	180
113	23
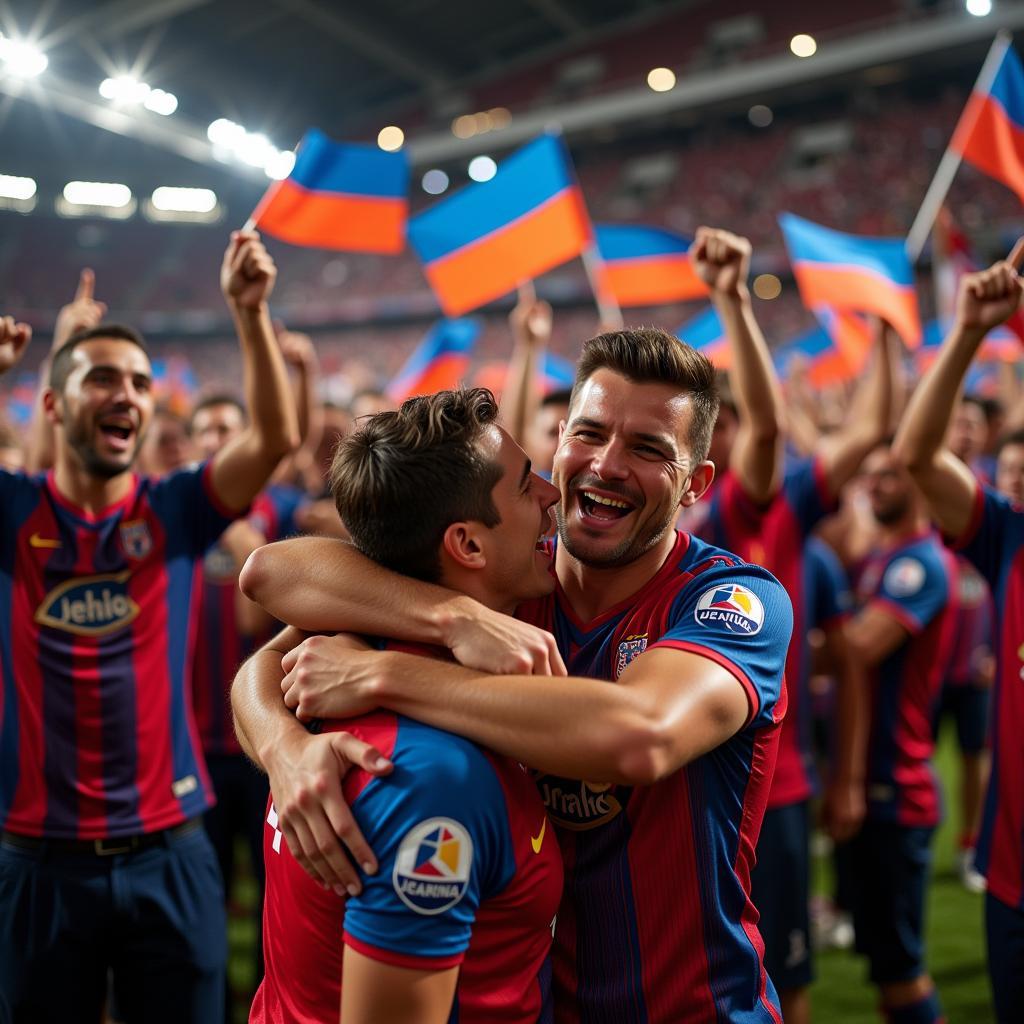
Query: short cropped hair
402	478
563	396
60	365
211	401
1015	437
649	355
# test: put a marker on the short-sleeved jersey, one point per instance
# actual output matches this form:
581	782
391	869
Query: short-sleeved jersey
829	597
994	543
975	622
96	635
220	645
913	582
775	536
656	923
469	875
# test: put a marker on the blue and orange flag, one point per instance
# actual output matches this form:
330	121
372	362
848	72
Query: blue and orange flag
490	237
990	132
705	333
849	273
833	351
339	195
644	266
1001	345
439	362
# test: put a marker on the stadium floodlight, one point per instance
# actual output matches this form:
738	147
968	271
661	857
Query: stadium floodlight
803	45
22	59
482	168
464	127
223	132
661	79
391	139
279	164
435	182
184	200
979	8
161	102
253	148
97	193
12	187
125	89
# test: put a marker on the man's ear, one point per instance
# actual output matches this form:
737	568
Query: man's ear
461	543
53	406
700	480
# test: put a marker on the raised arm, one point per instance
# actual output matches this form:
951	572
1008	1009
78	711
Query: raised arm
14	337
722	261
868	418
244	465
985	300
531	332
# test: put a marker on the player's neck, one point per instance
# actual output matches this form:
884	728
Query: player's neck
592	590
87	491
893	534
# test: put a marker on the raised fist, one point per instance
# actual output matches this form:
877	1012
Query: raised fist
720	259
989	297
13	339
248	273
82	313
297	349
531	320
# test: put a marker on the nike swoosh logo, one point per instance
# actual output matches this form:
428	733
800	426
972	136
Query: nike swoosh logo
43	542
538	841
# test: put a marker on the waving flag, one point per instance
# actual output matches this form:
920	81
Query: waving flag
491	237
1001	345
834	351
849	273
345	196
438	362
642	266
705	333
990	132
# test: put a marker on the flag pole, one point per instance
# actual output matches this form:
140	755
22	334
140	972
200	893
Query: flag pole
607	308
950	163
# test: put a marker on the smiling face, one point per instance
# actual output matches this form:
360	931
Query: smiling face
105	405
213	426
623	468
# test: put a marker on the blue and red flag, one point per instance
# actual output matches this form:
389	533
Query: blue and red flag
705	333
557	373
990	132
491	237
826	351
339	195
644	266
1001	345
850	273
439	361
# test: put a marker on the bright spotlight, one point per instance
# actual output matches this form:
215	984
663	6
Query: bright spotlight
12	187
279	165
391	139
160	102
482	168
184	200
253	148
803	45
435	182
124	89
661	79
22	59
97	193
979	8
223	132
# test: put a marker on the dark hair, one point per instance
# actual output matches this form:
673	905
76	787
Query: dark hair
60	365
563	396
977	400
992	408
212	400
1014	437
649	355
404	477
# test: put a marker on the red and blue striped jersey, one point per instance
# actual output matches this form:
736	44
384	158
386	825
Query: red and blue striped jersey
914	582
656	923
96	635
975	623
994	543
775	536
220	646
469	875
829	597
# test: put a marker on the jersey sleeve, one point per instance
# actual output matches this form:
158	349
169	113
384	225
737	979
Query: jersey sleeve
806	492
439	827
185	501
740	617
914	587
994	533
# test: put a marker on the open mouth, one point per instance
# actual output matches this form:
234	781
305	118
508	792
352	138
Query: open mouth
118	431
603	508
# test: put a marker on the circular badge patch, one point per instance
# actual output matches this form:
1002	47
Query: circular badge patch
433	865
904	577
731	608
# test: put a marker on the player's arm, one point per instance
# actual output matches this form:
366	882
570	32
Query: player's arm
324	585
984	300
867	423
531	332
244	465
305	770
722	261
373	992
873	634
14	337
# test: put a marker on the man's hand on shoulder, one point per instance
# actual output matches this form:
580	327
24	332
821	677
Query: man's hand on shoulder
330	677
247	274
14	338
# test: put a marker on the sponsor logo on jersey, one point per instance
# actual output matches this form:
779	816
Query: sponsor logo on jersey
136	538
629	649
972	587
537	841
576	805
433	865
731	607
904	577
89	605
219	565
48	543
